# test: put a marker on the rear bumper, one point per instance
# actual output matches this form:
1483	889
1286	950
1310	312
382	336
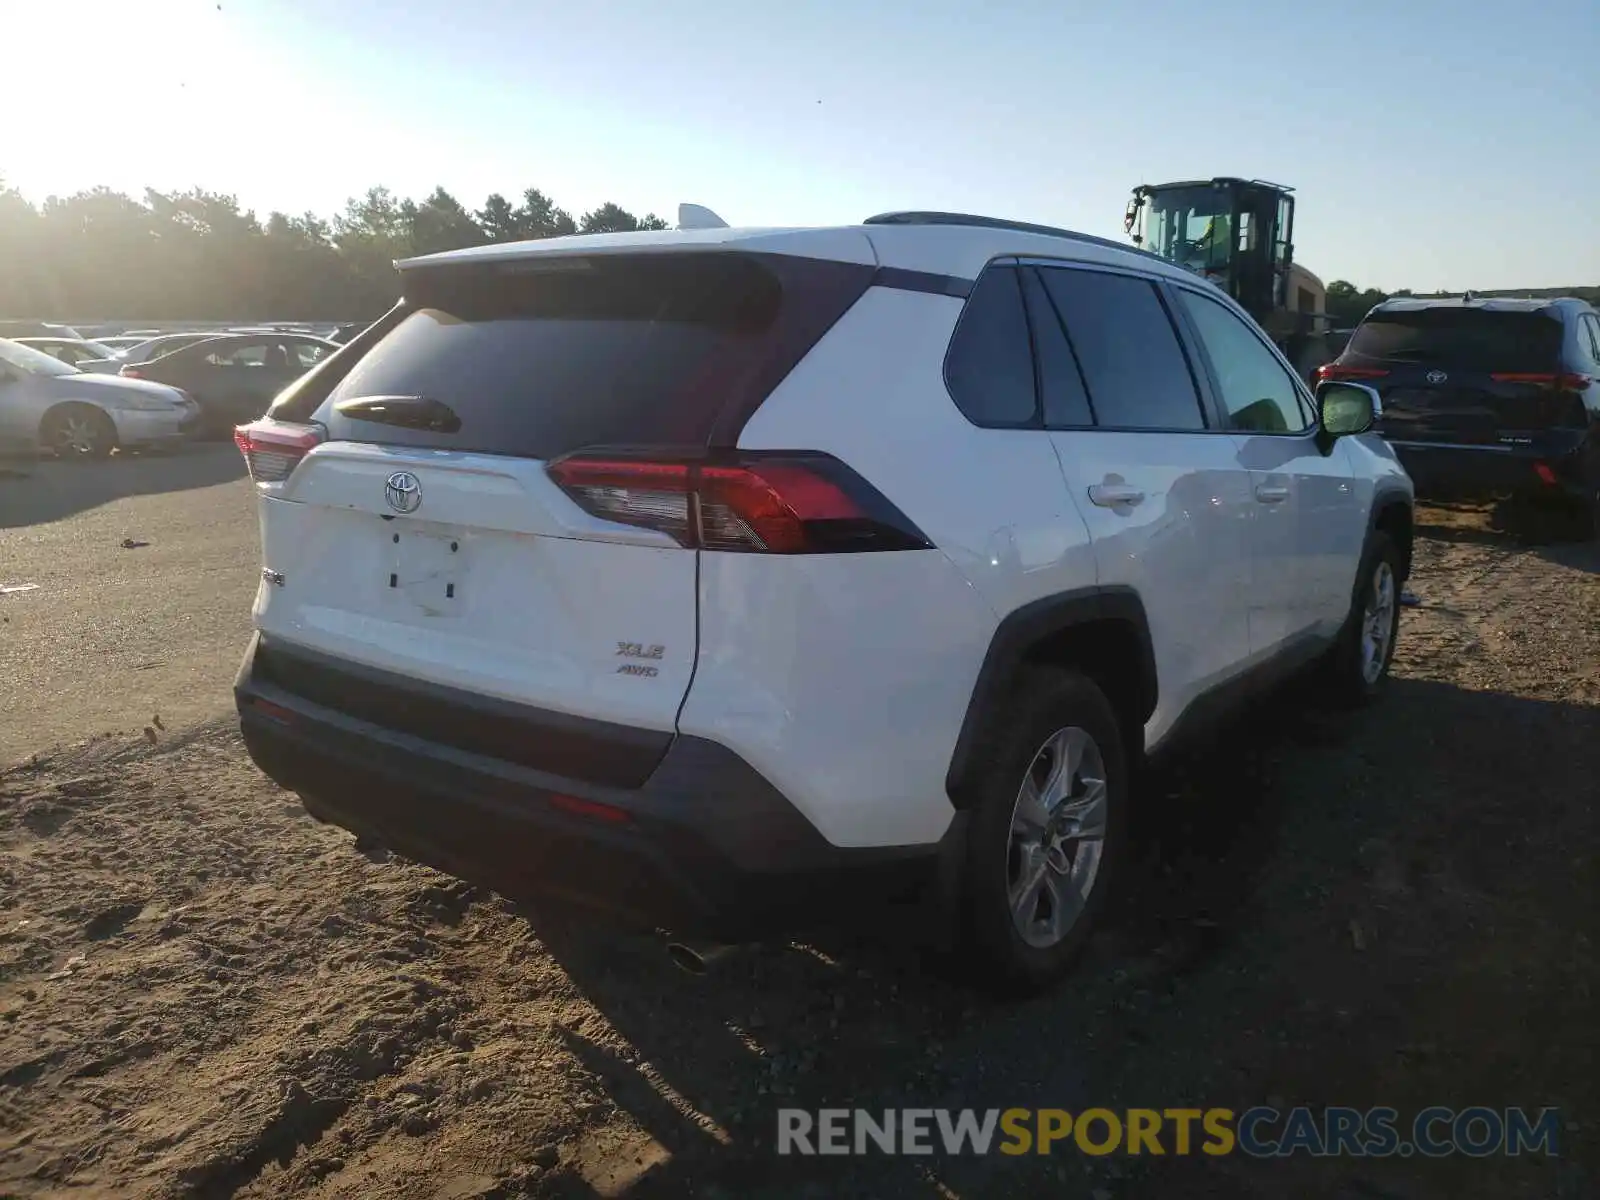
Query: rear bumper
704	846
1438	467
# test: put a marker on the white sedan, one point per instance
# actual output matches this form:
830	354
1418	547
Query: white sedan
75	352
46	404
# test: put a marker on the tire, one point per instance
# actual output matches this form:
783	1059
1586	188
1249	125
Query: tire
1049	711
1586	513
78	431
1358	665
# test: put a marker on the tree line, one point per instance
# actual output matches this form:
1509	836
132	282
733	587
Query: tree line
199	255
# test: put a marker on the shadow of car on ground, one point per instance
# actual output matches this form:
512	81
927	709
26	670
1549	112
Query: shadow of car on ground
51	489
1553	531
1323	908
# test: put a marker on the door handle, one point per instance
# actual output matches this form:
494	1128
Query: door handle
1109	495
1269	493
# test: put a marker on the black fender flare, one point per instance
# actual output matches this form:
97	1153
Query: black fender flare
1383	499
1015	636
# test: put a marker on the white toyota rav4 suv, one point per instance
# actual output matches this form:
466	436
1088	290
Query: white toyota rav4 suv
720	577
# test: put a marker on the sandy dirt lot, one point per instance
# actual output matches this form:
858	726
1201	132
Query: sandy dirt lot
205	993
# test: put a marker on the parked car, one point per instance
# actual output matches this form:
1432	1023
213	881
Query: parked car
720	580
1490	395
45	403
118	342
145	349
18	328
235	376
72	351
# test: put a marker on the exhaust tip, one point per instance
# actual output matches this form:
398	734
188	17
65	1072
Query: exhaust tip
687	958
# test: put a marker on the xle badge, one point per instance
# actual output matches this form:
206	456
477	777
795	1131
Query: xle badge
639	650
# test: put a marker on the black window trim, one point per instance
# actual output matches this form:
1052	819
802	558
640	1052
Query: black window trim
1197	377
1219	405
1072	350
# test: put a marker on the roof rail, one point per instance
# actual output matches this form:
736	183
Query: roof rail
976	222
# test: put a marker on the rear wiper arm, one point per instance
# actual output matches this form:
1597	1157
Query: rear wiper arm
411	412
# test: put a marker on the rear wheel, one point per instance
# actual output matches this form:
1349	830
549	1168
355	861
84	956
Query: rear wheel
78	431
1587	513
1047	830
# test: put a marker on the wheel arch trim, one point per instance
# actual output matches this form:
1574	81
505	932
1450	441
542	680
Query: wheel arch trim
1386	499
1016	635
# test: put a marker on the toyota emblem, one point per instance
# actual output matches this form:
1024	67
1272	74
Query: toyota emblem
403	492
1437	377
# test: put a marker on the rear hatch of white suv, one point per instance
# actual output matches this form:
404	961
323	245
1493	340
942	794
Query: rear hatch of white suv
489	505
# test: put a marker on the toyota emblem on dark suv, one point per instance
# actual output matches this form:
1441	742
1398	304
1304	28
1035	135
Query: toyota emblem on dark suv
1437	377
403	492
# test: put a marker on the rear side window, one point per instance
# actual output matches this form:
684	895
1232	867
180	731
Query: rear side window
307	354
989	367
536	358
1466	339
1133	364
1590	337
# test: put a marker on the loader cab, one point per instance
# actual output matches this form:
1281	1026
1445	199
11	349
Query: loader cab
1238	233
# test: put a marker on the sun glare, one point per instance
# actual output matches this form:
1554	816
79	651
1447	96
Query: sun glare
135	95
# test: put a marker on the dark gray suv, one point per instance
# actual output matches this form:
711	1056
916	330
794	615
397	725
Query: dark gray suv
1490	395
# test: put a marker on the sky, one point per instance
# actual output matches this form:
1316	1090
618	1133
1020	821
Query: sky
1432	144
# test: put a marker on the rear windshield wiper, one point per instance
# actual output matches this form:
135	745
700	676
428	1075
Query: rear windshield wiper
411	412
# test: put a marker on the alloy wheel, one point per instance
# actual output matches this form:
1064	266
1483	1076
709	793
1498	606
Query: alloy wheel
1058	829
76	434
1377	622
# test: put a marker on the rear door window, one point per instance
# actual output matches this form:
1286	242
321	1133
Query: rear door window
1466	339
306	355
543	356
240	354
1134	367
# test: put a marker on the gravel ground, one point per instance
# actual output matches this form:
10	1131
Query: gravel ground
205	993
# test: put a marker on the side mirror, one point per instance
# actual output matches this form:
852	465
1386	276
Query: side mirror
1345	409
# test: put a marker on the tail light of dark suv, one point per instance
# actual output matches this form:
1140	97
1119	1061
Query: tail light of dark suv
798	502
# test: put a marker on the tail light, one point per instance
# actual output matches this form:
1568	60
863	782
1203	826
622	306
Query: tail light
272	449
1336	372
130	372
1565	381
765	503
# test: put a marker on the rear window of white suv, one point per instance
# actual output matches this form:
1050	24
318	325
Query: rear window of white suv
541	356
